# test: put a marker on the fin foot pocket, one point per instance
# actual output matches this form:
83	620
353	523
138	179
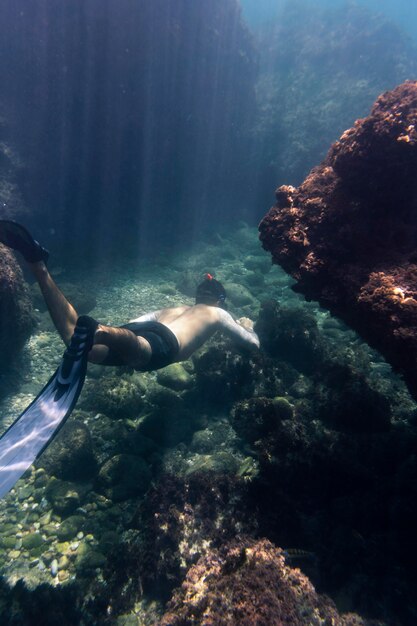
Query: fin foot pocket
16	237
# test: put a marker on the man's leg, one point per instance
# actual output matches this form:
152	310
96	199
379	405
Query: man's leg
131	349
63	314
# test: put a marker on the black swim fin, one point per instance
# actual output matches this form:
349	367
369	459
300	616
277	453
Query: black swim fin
16	236
34	429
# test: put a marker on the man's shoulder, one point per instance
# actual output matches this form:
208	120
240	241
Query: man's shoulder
223	316
207	311
177	309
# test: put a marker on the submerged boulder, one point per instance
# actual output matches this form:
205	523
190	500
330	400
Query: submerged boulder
71	454
249	583
16	316
348	234
291	335
123	476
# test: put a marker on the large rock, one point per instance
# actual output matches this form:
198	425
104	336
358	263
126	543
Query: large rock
16	316
71	455
123	476
248	583
348	234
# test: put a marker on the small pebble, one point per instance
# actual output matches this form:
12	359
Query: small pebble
54	567
63	576
63	562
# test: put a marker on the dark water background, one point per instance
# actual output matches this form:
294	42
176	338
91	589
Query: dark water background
136	125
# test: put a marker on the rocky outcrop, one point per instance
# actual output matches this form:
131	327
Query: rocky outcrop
309	94
16	319
348	234
249	583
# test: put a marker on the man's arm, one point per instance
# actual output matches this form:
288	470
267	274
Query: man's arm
241	331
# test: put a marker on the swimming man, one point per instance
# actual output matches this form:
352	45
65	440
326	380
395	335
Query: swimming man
151	341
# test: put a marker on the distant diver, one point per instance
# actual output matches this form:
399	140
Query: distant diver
147	343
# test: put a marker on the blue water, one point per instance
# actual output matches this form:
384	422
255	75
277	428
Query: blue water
403	12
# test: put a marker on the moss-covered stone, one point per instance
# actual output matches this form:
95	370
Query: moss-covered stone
291	335
175	377
49	530
161	397
254	279
8	542
258	263
248	469
257	418
167	427
71	455
222	462
70	527
283	408
89	560
32	541
210	439
63	496
108	541
116	396
239	295
123	476
25	492
128	620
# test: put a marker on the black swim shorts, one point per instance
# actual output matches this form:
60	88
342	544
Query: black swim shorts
163	342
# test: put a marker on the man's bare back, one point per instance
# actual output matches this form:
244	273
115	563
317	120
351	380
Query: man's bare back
194	325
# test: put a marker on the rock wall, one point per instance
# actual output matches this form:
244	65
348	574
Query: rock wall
16	318
348	234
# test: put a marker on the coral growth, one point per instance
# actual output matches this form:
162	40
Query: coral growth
248	583
180	520
347	234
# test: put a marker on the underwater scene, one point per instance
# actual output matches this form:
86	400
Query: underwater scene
208	313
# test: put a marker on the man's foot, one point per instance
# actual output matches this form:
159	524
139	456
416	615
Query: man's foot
81	343
18	238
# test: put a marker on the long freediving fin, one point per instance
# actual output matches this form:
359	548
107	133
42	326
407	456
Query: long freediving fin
33	430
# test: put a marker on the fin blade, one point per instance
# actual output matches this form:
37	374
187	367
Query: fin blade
34	429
